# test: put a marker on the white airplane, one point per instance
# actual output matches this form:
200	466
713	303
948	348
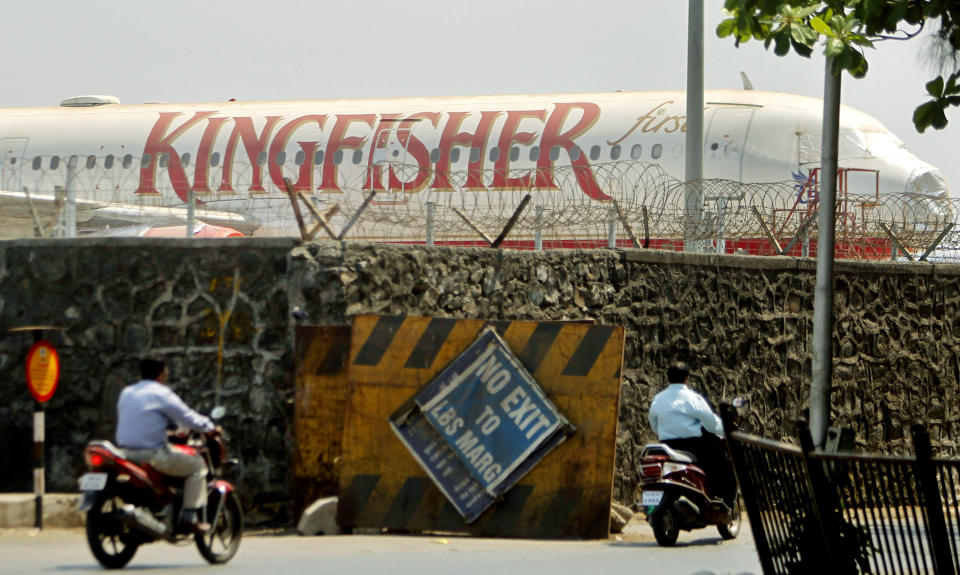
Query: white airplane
121	165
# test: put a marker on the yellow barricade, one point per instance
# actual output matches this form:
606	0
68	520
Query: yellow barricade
568	494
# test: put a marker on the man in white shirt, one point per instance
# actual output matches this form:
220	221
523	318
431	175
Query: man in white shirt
144	412
682	419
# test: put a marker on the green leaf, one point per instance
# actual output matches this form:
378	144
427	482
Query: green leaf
939	119
935	87
820	26
726	28
923	115
834	48
782	44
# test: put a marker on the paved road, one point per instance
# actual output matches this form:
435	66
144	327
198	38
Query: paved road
64	551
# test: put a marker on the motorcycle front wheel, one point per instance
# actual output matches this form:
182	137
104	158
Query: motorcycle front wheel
221	543
664	524
111	542
732	529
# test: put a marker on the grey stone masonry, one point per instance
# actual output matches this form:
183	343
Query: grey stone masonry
220	312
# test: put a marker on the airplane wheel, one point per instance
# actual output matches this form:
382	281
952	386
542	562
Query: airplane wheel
665	527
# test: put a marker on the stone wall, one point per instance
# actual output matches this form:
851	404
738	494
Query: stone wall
220	311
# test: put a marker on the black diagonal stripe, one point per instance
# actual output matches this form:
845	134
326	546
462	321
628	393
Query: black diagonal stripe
351	503
502	519
590	348
379	340
405	503
499	326
430	343
538	345
555	520
337	352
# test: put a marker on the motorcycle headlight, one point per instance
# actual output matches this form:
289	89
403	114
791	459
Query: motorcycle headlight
671	467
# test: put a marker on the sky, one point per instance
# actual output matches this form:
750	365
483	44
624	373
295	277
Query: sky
213	50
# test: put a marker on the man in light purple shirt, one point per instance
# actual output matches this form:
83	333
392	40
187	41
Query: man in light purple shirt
682	419
144	412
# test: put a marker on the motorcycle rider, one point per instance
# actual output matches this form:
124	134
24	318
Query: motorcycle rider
145	409
683	420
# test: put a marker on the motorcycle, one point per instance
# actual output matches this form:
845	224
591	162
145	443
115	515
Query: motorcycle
676	495
129	505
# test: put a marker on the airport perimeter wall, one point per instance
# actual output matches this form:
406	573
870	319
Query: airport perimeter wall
220	311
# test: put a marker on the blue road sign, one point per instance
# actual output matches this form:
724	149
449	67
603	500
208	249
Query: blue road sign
488	417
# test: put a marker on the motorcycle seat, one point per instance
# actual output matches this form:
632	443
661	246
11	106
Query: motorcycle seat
667	451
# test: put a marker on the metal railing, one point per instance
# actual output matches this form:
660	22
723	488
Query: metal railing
848	513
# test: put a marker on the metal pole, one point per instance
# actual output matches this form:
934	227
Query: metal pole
612	229
822	365
191	208
70	209
538	231
430	218
38	465
694	139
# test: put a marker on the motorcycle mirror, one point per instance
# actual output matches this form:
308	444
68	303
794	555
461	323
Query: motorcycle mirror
218	412
739	401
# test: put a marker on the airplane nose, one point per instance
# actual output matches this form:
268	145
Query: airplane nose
931	183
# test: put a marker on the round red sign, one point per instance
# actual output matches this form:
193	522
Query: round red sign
43	370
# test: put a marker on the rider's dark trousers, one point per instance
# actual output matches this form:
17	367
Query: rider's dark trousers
712	457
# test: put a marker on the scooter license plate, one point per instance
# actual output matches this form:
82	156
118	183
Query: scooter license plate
651	498
93	481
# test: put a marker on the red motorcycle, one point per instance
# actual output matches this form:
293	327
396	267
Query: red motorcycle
128	504
676	495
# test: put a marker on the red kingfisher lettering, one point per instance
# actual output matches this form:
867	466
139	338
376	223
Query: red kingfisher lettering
555	131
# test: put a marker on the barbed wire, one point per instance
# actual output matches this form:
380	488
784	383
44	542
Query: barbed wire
728	216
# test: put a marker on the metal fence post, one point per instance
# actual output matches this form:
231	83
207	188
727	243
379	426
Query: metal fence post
932	503
431	214
538	231
612	229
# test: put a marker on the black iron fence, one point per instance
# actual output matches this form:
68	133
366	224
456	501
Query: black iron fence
814	512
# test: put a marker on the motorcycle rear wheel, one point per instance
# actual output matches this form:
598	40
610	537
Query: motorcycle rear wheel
110	541
221	543
732	529
665	528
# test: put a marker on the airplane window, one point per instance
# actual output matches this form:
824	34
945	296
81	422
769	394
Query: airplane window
281	158
145	161
357	156
215	159
91	162
434	155
615	152
185	160
514	154
454	155
474	155
318	157
636	151
338	157
54	162
127	161
164	158
554	153
37	160
534	153
108	162
574	153
299	158
494	154
656	151
261	158
13	161
594	153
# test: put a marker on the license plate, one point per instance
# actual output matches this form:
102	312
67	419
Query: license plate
93	481
651	498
